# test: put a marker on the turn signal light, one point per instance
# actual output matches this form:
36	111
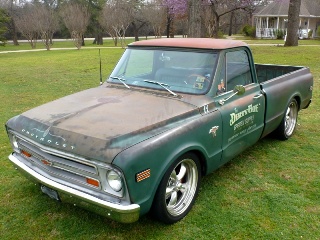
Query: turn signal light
93	182
143	175
26	153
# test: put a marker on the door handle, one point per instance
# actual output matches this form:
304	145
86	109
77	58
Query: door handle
258	96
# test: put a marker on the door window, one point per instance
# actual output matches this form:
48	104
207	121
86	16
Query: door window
237	69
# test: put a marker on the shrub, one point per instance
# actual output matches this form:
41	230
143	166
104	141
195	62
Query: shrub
278	33
249	31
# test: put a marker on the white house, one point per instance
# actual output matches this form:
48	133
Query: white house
273	19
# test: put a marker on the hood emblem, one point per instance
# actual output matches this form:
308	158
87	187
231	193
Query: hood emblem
48	138
46	132
214	130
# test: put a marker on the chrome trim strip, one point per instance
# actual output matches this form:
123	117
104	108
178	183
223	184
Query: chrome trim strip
53	151
121	213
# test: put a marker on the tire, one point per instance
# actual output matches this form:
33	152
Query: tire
178	189
289	121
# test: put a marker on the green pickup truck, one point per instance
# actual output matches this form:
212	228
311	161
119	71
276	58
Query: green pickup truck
172	111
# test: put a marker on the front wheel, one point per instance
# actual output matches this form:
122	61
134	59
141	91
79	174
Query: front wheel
289	121
178	189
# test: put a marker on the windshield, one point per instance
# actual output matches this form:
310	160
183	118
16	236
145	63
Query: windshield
174	70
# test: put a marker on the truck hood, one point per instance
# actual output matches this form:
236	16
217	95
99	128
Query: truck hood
100	122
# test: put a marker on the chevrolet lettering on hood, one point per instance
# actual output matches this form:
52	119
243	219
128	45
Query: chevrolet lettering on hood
172	111
46	136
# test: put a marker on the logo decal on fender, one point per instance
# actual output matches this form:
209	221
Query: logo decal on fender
214	130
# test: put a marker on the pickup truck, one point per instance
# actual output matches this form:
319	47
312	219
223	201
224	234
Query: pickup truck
171	112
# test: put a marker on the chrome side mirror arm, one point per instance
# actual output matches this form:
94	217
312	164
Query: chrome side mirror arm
238	90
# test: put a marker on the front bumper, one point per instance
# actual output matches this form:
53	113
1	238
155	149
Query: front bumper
120	213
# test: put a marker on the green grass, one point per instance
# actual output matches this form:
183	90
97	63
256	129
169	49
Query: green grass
271	191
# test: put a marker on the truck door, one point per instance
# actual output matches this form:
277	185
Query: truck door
242	115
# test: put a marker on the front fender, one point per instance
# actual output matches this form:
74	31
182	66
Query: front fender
159	152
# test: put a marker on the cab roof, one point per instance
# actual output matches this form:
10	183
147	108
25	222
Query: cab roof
202	43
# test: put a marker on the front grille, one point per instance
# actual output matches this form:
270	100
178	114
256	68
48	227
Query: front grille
71	170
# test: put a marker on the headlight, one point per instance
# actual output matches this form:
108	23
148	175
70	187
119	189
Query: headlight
114	180
15	142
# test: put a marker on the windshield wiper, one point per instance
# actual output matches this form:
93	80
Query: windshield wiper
162	85
121	80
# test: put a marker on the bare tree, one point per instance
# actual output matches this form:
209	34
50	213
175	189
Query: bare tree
220	8
26	22
182	26
210	12
106	20
293	23
47	24
76	18
155	15
115	19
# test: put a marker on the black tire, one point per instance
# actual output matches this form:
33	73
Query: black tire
289	121
178	189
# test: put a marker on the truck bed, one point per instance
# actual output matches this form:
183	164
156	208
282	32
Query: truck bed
280	84
267	72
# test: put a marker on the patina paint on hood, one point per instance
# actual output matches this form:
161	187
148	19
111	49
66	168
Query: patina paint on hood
101	121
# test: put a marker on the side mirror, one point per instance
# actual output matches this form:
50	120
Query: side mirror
238	90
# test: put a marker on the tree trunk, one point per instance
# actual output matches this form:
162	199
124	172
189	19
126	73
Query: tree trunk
135	31
13	31
293	23
82	42
169	19
98	36
194	15
231	23
216	27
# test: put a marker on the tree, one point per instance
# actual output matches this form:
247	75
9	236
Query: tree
47	24
4	19
10	8
26	22
176	9
95	7
155	14
115	19
138	16
76	18
207	14
194	17
220	8
293	23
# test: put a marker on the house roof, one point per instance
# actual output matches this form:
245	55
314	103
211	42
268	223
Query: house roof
309	8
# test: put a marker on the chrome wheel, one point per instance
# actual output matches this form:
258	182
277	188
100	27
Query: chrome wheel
291	118
181	187
289	121
178	189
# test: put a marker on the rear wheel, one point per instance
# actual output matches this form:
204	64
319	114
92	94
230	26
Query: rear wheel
178	189
289	121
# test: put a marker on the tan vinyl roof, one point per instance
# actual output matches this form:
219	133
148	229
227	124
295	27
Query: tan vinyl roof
202	43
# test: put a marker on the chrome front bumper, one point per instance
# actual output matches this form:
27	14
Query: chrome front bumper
120	213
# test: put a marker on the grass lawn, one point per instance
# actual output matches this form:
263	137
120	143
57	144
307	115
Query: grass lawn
271	191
